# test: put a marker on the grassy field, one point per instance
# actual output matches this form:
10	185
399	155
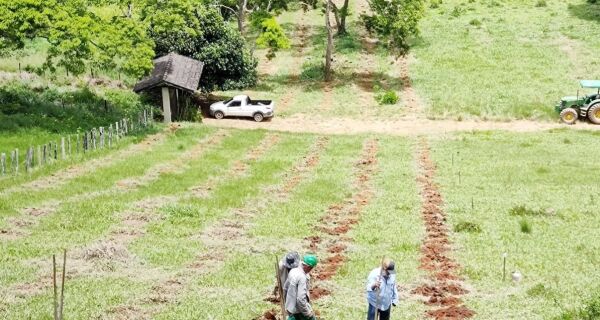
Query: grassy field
202	220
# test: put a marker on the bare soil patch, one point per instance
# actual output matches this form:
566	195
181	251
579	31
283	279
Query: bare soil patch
445	288
396	127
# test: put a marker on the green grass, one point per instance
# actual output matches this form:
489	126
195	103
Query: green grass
545	220
516	63
503	202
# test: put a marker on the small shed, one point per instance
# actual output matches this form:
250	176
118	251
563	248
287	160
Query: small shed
175	75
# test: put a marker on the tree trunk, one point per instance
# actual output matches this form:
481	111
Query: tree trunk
329	43
336	15
241	16
343	15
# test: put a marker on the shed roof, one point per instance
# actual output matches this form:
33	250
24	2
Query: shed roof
173	70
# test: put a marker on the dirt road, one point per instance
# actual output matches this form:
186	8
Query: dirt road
408	127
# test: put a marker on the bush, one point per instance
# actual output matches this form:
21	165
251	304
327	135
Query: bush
542	3
525	226
387	97
435	4
522	211
465	226
590	311
312	71
475	23
53	110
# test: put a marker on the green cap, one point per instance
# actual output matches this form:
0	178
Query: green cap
310	260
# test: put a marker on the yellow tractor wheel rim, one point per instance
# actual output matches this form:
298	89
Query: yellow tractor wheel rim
569	116
597	113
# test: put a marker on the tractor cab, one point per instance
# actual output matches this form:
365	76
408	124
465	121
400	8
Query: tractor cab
584	105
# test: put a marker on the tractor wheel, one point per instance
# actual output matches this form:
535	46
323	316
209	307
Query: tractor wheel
594	114
219	115
569	116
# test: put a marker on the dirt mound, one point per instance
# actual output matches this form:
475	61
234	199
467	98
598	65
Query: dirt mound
452	312
107	251
445	289
269	315
318	292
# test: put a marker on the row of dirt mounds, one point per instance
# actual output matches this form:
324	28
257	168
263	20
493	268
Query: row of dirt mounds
444	289
20	226
225	236
331	243
63	176
110	253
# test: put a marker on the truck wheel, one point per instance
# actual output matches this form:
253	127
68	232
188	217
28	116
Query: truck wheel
569	116
594	114
219	115
258	117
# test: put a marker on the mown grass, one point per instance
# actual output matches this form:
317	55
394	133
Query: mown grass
546	220
516	62
10	180
249	275
76	224
389	226
105	178
171	243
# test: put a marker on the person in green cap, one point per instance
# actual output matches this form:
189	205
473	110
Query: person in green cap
296	290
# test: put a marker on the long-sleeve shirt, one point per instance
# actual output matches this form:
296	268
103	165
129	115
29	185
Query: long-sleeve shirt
296	292
283	272
388	293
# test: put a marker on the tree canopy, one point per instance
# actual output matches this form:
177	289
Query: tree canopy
395	20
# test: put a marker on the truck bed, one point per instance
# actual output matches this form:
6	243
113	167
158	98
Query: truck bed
263	102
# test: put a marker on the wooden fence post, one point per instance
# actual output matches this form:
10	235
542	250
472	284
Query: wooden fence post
110	135
45	155
101	137
13	160
93	133
125	125
55	150
85	141
151	116
3	163
117	130
28	159
77	143
39	157
62	148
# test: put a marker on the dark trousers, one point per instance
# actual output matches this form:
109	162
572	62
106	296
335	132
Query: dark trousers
383	315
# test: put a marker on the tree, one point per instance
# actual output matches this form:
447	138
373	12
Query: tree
204	35
329	48
78	36
395	20
340	15
272	36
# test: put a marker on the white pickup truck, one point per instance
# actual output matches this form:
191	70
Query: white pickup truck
243	106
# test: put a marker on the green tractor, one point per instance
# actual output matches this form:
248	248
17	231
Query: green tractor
572	108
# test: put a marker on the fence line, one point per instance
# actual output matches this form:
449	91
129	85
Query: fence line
92	140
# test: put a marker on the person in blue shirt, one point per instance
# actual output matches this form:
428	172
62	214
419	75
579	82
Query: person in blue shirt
381	290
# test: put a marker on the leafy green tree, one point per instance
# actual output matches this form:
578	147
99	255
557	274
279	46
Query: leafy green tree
395	20
204	35
272	37
79	37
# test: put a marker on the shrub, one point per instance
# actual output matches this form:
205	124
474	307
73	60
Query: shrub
465	226
435	3
525	226
590	311
475	23
312	71
387	97
522	211
542	3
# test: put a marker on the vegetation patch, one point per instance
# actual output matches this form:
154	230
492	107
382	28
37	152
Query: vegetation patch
466	226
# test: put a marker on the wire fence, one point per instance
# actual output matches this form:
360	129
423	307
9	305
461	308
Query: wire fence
73	144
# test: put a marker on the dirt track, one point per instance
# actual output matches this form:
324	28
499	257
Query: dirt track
408	127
